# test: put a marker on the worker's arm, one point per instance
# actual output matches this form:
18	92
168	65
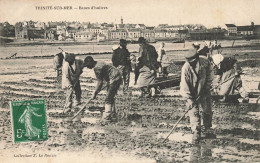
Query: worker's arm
184	86
155	53
237	68
140	55
99	85
67	73
209	77
78	71
115	58
159	55
185	89
217	72
98	89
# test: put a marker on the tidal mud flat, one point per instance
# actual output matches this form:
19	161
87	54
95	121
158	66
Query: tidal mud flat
143	122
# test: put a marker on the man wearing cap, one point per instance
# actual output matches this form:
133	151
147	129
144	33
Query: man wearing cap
195	84
110	74
204	51
121	60
72	69
227	72
147	65
196	45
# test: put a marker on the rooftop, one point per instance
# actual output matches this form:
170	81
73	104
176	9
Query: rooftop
230	25
245	28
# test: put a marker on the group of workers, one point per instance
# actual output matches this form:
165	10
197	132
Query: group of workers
196	79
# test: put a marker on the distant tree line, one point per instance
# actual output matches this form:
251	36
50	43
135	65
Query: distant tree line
7	30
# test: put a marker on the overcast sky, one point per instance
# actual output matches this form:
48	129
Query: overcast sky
150	12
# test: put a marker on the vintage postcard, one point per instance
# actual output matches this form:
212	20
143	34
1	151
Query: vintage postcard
140	81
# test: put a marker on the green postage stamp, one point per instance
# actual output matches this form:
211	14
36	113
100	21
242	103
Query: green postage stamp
29	120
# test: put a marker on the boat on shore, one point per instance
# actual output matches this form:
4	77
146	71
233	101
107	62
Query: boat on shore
179	41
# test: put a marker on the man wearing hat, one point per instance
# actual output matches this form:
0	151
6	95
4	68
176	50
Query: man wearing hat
196	45
195	84
121	60
227	72
112	76
147	65
71	71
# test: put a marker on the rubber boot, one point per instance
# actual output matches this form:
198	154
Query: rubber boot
224	99
196	137
76	103
113	115
208	134
153	92
106	117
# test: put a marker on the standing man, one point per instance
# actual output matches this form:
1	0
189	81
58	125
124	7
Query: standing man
72	69
134	66
112	76
57	63
195	84
147	65
121	60
163	60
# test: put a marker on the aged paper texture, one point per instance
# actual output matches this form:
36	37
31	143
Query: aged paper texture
43	47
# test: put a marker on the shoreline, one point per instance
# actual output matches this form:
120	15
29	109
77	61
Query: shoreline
109	42
104	53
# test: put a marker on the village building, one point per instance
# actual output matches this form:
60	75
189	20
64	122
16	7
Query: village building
72	33
148	34
74	25
150	27
61	26
40	25
101	37
160	33
257	30
51	34
105	32
245	30
140	26
232	29
163	26
118	34
83	35
108	26
209	34
36	33
171	34
52	25
134	34
95	30
21	32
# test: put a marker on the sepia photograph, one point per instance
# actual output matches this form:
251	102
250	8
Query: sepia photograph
140	81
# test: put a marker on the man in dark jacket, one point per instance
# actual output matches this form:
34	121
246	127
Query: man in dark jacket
121	60
112	76
147	65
